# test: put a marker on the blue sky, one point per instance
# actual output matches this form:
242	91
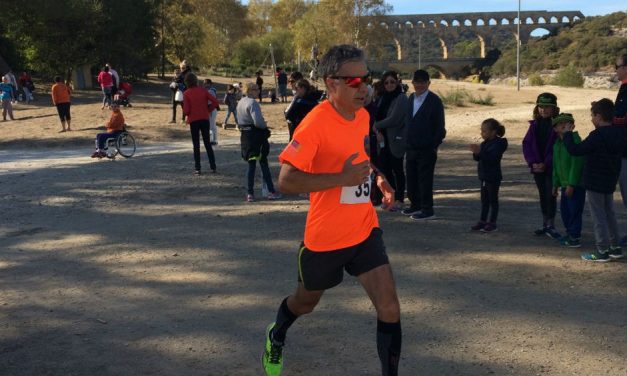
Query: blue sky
588	7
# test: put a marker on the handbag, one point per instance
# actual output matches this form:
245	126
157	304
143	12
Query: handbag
178	97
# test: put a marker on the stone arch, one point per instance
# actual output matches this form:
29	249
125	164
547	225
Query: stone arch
492	22
576	18
409	25
541	20
432	24
480	22
528	21
565	19
505	21
420	24
554	20
467	22
455	23
443	23
384	25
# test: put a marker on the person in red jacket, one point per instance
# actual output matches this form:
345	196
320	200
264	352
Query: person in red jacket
195	107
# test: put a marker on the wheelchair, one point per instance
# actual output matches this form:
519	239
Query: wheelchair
123	143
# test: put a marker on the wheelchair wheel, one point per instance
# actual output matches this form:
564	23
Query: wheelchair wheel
110	148
125	143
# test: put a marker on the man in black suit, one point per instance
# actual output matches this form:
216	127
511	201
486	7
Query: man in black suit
424	133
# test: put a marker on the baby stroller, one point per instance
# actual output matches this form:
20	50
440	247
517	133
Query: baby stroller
122	97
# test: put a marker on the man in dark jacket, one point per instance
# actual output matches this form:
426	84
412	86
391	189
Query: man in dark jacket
603	149
424	133
620	118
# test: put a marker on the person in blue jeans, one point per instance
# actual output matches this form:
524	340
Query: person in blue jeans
254	134
567	171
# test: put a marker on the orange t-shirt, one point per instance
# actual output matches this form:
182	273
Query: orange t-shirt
338	217
60	94
116	122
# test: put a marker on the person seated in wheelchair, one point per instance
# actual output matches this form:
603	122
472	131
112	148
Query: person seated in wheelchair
114	126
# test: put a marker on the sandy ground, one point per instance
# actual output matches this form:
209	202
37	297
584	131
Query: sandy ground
136	267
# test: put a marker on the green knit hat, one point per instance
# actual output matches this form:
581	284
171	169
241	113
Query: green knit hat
563	118
546	99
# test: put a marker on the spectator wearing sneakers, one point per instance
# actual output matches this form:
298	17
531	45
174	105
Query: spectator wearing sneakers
567	171
603	149
488	155
538	153
254	141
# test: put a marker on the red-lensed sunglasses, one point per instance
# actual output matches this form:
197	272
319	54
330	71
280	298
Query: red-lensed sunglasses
353	82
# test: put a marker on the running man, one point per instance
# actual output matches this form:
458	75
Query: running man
327	159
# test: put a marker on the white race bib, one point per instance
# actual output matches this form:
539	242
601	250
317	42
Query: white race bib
357	194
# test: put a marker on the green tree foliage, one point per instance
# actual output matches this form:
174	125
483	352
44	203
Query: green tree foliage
253	51
352	21
128	35
203	32
467	48
285	13
54	35
589	45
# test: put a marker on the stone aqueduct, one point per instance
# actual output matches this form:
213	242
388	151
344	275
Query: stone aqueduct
447	28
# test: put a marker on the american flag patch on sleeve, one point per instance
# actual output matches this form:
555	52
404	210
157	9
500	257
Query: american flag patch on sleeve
294	147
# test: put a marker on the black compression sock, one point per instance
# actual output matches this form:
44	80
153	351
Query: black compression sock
389	338
284	319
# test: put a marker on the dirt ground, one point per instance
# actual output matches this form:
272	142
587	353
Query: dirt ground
137	267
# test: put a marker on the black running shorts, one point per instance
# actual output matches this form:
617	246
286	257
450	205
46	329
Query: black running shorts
64	111
324	270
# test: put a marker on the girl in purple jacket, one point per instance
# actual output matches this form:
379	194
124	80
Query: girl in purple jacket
538	152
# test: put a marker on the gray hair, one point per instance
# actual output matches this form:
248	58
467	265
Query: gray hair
337	56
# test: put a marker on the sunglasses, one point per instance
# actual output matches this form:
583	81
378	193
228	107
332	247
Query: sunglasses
353	82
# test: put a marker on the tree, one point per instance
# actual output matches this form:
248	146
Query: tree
355	22
128	36
54	35
285	13
259	12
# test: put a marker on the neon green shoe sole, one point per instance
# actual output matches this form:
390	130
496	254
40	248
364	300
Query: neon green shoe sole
272	358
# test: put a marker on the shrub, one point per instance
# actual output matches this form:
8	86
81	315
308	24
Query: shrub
488	100
433	72
569	77
536	80
454	98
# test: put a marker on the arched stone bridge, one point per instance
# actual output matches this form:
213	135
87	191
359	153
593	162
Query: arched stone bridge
447	28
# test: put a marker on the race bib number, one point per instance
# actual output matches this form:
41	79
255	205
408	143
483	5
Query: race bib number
357	194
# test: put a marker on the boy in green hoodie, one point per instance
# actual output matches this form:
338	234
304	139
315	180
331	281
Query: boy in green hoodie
567	171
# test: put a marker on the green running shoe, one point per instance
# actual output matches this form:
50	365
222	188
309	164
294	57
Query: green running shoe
616	253
596	256
272	358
